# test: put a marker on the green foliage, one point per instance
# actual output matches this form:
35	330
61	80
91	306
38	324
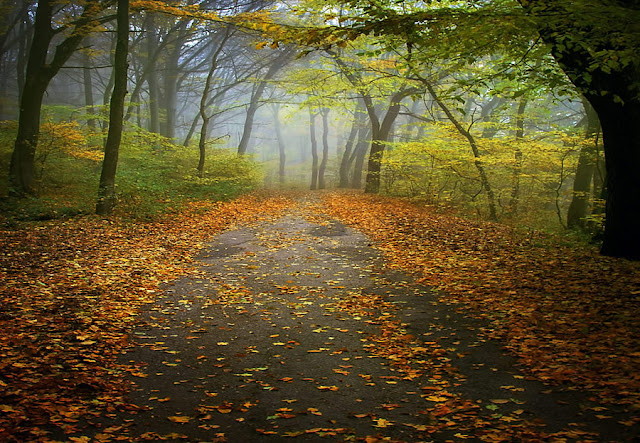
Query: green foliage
154	176
439	169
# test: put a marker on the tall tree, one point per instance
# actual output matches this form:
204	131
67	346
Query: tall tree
204	99
324	112
595	43
275	65
282	152
380	130
349	149
314	150
579	207
39	73
106	188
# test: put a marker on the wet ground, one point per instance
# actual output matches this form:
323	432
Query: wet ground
295	329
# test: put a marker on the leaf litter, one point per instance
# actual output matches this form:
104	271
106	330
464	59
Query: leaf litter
84	282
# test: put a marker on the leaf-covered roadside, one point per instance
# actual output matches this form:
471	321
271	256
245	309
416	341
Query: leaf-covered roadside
69	294
571	316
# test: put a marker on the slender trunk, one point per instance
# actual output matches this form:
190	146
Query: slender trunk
152	78
108	89
277	64
314	150
202	146
282	157
493	215
325	148
579	207
345	164
204	104
88	92
37	78
171	91
364	136
106	189
24	42
517	167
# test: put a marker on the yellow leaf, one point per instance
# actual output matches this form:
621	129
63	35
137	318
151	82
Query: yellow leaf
436	398
179	419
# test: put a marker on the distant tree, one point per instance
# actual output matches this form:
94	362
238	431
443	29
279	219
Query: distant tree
274	65
314	150
282	154
324	112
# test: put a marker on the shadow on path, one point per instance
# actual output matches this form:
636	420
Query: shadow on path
295	329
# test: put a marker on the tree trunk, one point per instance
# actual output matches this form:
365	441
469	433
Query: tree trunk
152	79
314	151
613	93
380	135
88	92
517	167
345	164
106	189
277	64
325	148
25	41
204	101
282	156
579	207
364	136
171	73
621	136
486	185
37	78
108	89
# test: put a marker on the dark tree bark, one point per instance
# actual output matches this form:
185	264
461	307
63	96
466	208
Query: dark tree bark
379	130
579	206
204	100
106	189
314	150
39	73
278	63
349	150
380	133
325	148
360	153
613	93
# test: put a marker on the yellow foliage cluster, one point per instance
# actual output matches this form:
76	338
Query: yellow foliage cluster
66	137
441	167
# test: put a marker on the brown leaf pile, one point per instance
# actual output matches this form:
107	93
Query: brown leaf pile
570	315
69	293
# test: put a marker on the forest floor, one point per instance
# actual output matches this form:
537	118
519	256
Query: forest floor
326	317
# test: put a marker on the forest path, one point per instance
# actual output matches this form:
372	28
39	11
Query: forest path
295	328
